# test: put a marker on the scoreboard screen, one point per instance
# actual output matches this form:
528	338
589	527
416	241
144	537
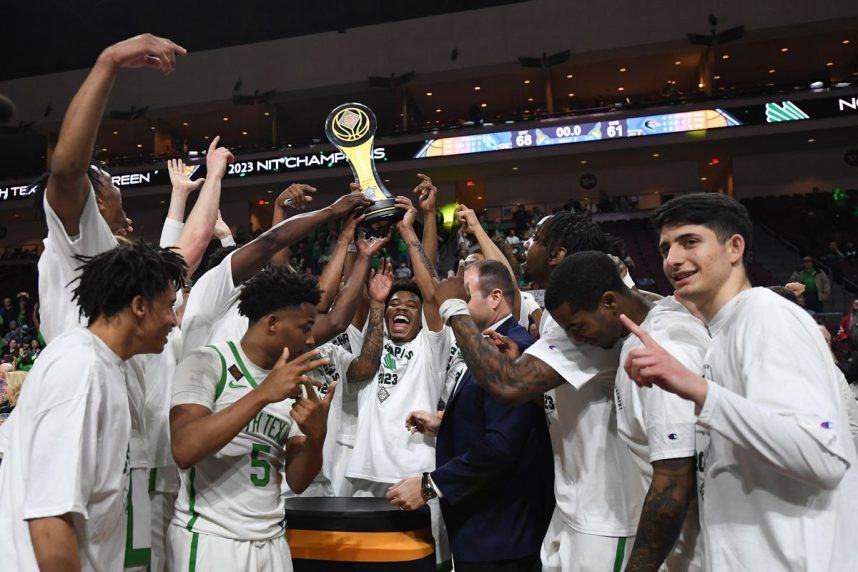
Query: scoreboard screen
565	133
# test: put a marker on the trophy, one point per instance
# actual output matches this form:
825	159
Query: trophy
351	127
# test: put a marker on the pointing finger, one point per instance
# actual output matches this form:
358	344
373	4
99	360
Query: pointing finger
641	334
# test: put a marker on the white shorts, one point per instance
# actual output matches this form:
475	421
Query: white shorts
192	551
567	550
138	548
163	485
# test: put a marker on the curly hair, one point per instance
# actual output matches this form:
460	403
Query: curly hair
109	281
404	286
577	232
275	288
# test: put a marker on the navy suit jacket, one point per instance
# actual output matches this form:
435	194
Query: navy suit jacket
495	470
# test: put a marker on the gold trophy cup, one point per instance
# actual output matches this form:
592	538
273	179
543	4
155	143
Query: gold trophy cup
351	128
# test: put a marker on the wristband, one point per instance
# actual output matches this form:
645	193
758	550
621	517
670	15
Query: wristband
453	307
227	241
352	247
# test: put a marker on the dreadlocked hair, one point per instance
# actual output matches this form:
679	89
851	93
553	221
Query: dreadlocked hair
37	188
574	232
109	281
276	288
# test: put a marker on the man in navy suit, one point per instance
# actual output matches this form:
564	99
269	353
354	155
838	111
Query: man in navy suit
494	472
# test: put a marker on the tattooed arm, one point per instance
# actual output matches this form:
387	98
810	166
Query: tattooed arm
424	270
666	504
510	381
365	366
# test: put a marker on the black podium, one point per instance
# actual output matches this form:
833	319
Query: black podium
337	534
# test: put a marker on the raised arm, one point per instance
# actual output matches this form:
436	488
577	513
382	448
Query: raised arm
295	196
197	234
182	188
256	254
424	270
426	194
365	366
329	281
507	377
67	188
327	326
471	225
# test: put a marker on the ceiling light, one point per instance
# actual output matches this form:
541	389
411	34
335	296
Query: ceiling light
438	110
185	123
152	128
621	88
515	168
476	88
845	42
531	99
829	64
811	140
677	62
244	132
270	192
226	118
571	94
702	178
116	132
716	77
483	104
655	155
266	114
770	84
206	137
771	71
700	84
725	57
569	75
622	70
162	202
784	50
816	85
104	149
139	145
479	198
583	161
526	81
429	93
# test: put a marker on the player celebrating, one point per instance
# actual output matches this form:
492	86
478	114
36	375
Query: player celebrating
595	481
235	426
778	483
64	476
587	296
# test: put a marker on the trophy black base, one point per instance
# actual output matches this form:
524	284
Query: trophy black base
380	216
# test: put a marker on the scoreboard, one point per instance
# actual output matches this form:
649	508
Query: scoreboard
578	132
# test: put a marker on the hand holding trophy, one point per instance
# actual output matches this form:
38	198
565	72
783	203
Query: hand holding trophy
351	128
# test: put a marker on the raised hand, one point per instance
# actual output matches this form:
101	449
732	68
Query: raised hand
467	218
453	287
423	422
296	195
217	159
180	179
503	344
381	281
653	365
370	246
144	50
286	376
407	221
426	194
311	413
350	224
348	203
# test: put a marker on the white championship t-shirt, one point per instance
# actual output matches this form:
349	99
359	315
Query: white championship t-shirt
68	453
235	492
345	405
410	378
773	493
528	306
656	424
596	485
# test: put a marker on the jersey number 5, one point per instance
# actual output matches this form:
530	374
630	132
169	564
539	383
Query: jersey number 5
257	463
